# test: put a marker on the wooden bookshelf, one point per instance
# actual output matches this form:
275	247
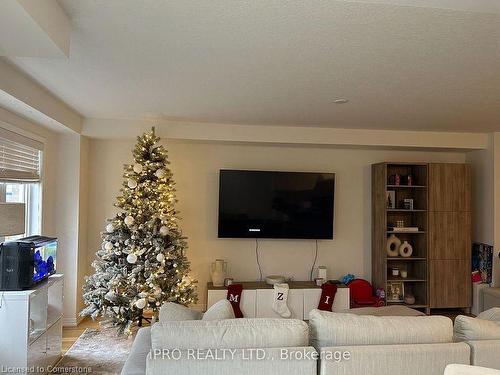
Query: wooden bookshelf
385	217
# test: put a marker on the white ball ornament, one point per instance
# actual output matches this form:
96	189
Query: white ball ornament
160	257
160	173
141	303
137	168
131	183
129	220
164	230
131	258
108	246
110	228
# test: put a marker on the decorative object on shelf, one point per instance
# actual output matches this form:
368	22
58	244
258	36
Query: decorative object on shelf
400	223
275	279
390	199
395	271
346	279
319	281
234	292
409	180
396	291
280	298
218	270
408	203
404	274
409	299
380	293
328	292
228	281
404	229
393	244
322	274
146	280
397	179
405	250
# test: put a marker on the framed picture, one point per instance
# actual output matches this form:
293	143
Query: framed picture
396	291
390	198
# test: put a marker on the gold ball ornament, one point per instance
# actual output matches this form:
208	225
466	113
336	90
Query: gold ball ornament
131	183
140	303
137	168
160	257
131	258
164	230
160	173
108	246
129	220
110	228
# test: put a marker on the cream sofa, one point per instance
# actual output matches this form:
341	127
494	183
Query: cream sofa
482	334
385	344
469	370
232	346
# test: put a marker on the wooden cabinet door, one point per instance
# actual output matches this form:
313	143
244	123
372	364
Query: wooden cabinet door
449	187
450	284
449	235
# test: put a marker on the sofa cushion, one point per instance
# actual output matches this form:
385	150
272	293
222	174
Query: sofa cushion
232	333
136	361
172	312
219	310
468	329
491	314
334	329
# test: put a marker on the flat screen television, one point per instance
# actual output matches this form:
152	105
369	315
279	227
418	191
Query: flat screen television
266	204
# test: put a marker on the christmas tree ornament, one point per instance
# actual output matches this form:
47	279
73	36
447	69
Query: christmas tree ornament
137	168
131	267
140	303
129	220
160	173
132	258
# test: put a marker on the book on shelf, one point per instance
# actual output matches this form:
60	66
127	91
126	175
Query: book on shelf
404	229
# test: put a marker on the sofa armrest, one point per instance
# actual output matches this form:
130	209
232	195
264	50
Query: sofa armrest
415	359
469	370
289	361
485	353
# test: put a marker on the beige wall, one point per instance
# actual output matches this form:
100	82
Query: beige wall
196	166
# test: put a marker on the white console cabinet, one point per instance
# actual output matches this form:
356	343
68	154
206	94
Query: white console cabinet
31	327
257	299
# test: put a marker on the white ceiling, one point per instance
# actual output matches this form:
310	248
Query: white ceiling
434	65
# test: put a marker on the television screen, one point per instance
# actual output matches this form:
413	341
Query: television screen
265	204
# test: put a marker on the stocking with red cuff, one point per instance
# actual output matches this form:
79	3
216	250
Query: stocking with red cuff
328	292
234	297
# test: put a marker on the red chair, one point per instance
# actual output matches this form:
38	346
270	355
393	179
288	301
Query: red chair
361	292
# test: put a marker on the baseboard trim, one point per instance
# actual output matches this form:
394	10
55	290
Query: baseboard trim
72	322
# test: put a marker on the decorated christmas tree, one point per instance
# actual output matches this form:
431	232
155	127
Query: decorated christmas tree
142	261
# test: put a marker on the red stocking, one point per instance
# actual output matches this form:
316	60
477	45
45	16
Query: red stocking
234	297
328	292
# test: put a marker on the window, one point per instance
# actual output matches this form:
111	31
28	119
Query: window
20	178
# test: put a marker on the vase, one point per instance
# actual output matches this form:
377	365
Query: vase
218	271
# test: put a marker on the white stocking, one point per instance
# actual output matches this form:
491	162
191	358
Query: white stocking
280	300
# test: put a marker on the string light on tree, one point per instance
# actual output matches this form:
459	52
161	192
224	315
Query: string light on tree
132	273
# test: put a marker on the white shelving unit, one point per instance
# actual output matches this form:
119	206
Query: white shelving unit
31	327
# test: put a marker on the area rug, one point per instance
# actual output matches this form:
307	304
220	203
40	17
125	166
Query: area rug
97	352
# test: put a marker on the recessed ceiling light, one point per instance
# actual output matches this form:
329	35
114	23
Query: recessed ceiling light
340	101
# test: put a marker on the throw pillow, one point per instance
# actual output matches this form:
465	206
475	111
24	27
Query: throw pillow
219	310
469	329
173	312
491	314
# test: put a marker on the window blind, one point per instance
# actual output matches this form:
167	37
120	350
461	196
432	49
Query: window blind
19	161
